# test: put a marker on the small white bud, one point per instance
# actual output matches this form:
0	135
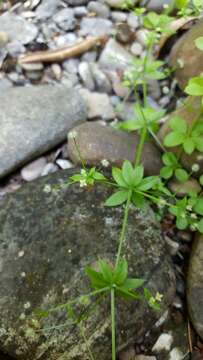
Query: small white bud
72	134
195	167
105	163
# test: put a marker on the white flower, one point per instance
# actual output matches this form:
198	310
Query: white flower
195	167
72	134
158	297
83	183
83	172
105	163
27	305
47	189
193	227
193	216
189	207
165	90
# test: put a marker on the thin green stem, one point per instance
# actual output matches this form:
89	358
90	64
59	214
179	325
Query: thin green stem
93	293
79	153
113	324
140	146
124	227
86	342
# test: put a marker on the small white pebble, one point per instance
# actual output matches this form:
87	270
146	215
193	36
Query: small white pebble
176	354
21	253
27	305
23	274
164	342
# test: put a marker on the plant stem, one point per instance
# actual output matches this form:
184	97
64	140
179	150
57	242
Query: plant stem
86	342
140	146
124	226
113	324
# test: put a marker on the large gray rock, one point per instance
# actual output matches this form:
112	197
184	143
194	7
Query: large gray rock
17	28
97	142
48	233
33	120
195	286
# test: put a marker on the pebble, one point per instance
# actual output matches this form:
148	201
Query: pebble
65	19
173	246
101	80
5	84
141	36
15	48
80	11
181	189
47	9
64	164
71	65
89	56
17	28
163	343
99	9
57	71
67	39
76	2
118	16
33	170
86	75
4	38
133	20
124	33
95	26
32	66
144	357
136	49
157	5
176	354
115	57
99	105
117	3
49	169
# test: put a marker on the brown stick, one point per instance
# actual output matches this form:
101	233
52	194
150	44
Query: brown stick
62	53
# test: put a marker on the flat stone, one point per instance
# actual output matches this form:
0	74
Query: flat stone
144	357
163	343
33	170
98	105
49	233
97	142
115	56
195	285
17	28
36	120
95	26
86	75
102	82
65	19
182	189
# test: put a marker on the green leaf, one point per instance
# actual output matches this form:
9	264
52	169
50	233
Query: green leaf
117	199
41	313
178	124
98	176
130	125
138	200
199	42
138	174
96	278
189	145
133	284
180	4
181	223
128	172
76	177
195	86
181	175
198	207
200	226
106	271
174	138
147	183
169	159
121	272
166	172
118	177
199	143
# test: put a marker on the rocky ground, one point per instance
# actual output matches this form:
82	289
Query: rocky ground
39	103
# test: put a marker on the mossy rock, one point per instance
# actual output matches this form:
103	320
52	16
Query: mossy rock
49	232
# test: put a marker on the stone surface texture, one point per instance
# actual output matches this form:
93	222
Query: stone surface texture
98	142
49	232
34	120
195	285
